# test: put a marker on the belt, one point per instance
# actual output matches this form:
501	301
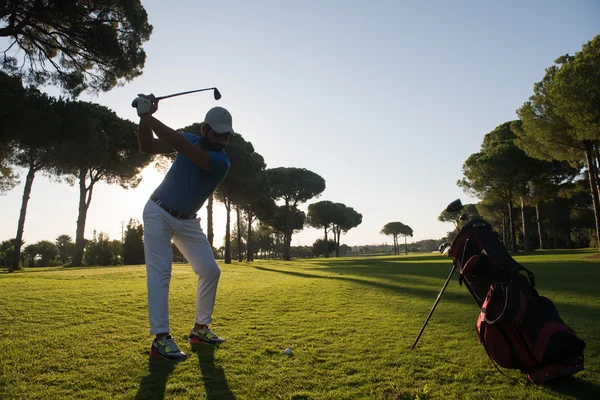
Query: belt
172	212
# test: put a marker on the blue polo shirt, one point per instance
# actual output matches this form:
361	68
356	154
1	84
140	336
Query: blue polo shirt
187	186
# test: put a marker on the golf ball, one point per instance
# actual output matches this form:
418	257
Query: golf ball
288	351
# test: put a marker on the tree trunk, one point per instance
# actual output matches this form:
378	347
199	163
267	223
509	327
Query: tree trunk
589	147
239	235
511	228
568	230
538	216
249	252
525	236
85	197
287	244
287	237
505	239
228	233
337	245
210	234
326	247
26	192
597	166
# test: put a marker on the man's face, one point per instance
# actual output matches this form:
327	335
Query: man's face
218	141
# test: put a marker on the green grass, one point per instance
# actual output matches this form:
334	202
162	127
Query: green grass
83	333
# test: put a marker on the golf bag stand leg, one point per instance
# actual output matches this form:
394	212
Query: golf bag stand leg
435	304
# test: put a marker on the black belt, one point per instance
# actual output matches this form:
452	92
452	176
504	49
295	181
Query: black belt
174	213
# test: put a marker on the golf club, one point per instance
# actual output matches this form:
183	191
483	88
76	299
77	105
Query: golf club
217	94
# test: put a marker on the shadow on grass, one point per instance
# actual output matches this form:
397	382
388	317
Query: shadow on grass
567	276
153	385
406	278
574	387
213	376
431	294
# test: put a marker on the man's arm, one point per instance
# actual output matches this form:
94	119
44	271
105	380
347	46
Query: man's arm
150	145
173	140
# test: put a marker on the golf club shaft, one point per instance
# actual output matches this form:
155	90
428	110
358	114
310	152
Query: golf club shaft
434	305
182	93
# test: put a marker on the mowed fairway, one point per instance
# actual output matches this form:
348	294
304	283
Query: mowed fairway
83	333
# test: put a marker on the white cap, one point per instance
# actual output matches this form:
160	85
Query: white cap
219	119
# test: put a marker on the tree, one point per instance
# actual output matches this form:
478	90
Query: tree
406	231
240	246
294	186
321	246
47	251
30	252
133	243
494	210
91	45
321	215
33	130
264	240
396	229
252	194
345	218
7	249
575	92
12	95
231	191
66	247
282	221
8	179
102	251
560	120
501	168
97	145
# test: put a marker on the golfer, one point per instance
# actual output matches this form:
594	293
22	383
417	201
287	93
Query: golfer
170	214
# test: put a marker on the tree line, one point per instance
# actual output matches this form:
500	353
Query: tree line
537	177
84	143
92	48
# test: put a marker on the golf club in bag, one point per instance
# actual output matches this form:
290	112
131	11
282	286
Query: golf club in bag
518	328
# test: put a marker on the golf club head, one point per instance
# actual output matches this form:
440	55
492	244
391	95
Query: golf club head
444	248
455	206
217	94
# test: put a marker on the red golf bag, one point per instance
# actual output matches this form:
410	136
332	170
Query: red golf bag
518	328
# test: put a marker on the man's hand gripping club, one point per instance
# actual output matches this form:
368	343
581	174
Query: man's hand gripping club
145	104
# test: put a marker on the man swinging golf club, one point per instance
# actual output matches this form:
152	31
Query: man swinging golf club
170	214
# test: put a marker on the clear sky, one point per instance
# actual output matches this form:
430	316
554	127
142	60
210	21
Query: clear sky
384	99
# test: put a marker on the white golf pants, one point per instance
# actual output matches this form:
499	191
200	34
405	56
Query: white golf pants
159	229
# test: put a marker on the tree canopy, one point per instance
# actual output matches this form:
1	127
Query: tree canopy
97	145
396	229
293	186
561	121
76	45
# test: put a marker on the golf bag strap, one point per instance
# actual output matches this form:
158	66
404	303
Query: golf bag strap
515	380
513	309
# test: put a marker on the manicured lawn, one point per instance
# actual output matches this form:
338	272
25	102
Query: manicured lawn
83	333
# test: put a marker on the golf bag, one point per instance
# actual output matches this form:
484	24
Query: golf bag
518	328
